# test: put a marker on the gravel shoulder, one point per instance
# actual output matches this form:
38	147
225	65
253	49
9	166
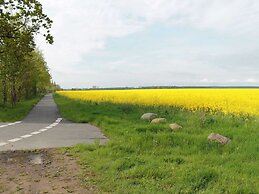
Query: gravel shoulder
41	171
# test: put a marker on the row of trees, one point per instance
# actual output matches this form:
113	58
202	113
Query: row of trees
23	70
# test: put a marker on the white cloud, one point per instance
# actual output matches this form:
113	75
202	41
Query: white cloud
251	80
220	15
83	26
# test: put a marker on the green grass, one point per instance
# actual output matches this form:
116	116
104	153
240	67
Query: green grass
149	158
10	114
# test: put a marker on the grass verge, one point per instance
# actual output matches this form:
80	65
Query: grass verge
10	114
150	158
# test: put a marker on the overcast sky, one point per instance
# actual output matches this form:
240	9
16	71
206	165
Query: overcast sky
112	43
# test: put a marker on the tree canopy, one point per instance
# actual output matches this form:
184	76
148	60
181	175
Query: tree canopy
23	70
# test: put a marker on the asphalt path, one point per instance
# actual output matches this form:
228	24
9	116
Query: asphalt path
44	128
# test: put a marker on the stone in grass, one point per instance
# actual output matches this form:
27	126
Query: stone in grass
149	116
175	126
219	138
158	120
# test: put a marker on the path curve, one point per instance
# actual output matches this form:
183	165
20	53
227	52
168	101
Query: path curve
44	128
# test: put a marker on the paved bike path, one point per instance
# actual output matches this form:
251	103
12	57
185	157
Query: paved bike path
44	128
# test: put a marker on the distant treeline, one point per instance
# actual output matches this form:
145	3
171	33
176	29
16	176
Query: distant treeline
23	70
165	87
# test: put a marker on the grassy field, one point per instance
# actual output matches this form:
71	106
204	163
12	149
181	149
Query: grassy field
9	114
150	158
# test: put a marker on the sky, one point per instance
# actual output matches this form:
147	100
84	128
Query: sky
133	43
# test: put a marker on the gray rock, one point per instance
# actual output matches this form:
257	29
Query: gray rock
149	116
219	138
158	120
175	126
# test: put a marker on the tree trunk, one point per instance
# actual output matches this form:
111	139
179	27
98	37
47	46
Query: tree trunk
19	94
4	91
13	93
35	90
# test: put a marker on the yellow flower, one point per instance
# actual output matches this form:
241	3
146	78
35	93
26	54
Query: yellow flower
234	101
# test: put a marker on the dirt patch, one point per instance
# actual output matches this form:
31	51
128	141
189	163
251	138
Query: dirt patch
41	171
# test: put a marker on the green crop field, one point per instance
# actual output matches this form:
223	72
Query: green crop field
141	157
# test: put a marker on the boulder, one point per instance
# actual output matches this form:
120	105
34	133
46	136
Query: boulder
175	126
149	116
219	138
158	120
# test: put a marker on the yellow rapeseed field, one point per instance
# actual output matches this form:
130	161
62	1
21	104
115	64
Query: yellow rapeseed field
234	101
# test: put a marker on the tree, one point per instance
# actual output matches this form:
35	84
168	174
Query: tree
21	21
13	59
36	77
23	15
